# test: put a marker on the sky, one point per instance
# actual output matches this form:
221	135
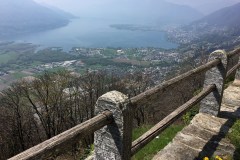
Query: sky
86	7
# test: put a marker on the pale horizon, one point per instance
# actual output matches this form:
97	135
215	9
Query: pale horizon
83	8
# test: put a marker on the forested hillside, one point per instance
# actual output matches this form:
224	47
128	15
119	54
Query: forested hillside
36	109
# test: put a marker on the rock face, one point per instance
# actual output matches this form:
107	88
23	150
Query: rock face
205	136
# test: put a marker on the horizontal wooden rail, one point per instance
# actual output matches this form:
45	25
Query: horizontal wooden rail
234	68
145	96
233	53
71	136
167	121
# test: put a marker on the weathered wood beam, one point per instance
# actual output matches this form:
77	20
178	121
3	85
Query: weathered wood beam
167	121
71	136
147	95
232	60
233	53
233	69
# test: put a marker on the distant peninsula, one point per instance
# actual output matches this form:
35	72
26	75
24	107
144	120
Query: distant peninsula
134	27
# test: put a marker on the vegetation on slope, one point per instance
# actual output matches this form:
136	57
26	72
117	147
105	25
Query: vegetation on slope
157	144
234	136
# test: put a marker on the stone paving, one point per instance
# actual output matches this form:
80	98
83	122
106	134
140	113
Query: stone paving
205	135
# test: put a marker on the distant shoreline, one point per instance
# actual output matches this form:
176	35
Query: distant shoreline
91	33
6	34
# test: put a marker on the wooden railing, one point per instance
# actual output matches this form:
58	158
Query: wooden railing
167	121
62	140
114	121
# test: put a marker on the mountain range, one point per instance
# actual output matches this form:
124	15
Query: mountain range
129	11
226	17
169	13
220	28
19	17
25	16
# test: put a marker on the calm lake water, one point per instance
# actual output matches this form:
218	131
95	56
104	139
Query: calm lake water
96	33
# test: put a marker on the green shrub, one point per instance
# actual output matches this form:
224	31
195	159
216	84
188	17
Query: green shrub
188	116
234	136
157	144
87	152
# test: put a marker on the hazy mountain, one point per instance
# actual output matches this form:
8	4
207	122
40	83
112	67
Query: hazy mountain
60	12
221	28
161	12
129	11
206	6
226	17
25	16
167	12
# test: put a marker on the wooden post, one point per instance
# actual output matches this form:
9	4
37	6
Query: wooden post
114	140
217	75
233	60
237	76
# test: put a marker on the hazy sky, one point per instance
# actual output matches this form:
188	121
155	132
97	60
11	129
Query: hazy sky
85	7
206	6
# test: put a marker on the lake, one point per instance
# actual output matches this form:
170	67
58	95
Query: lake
94	33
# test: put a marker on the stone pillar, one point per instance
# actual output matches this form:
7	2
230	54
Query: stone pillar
217	75
114	140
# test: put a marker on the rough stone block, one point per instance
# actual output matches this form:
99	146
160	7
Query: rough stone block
108	140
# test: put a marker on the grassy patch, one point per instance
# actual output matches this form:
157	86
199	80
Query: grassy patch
132	62
234	136
4	58
109	52
157	144
19	75
228	81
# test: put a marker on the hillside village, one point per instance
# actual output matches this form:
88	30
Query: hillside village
151	60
